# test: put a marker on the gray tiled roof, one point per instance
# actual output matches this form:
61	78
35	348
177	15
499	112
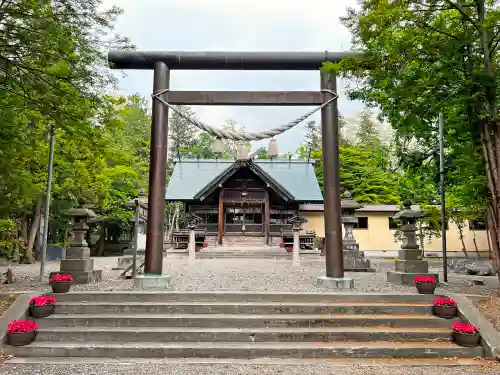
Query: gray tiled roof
296	176
190	176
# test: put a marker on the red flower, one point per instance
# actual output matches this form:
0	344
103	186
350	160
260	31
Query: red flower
424	280
282	244
18	326
61	277
42	301
462	327
445	302
205	244
289	248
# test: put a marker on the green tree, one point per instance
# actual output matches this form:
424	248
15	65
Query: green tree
313	136
366	133
422	58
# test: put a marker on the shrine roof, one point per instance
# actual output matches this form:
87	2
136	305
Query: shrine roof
294	178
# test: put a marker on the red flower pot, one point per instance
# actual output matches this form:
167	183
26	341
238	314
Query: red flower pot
21	332
60	286
425	288
41	311
465	334
445	308
21	338
61	283
469	340
41	306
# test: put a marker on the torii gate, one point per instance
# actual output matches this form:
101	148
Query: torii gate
163	62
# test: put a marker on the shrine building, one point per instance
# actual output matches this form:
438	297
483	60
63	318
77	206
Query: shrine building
252	197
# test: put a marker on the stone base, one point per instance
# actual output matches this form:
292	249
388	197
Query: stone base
153	282
130	252
412	266
126	261
405	278
354	261
77	265
334	282
81	277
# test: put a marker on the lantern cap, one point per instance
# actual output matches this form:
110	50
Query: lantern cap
348	203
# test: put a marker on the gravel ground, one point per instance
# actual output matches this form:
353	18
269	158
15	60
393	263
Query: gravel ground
248	275
182	369
243	275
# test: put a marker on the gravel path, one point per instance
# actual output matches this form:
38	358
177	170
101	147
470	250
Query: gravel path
248	275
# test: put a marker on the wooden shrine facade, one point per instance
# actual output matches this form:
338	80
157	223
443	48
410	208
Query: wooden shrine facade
244	198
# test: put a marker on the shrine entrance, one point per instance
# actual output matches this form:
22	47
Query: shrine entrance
244	220
164	99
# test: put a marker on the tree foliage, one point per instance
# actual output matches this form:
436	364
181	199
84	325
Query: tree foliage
364	164
422	58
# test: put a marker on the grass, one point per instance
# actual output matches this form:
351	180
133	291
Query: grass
6	302
491	310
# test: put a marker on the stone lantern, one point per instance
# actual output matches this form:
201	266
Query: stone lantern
78	262
140	207
410	262
354	260
192	221
296	222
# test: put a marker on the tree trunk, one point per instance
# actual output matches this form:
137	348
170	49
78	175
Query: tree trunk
461	236
488	237
101	241
176	216
172	222
24	237
490	133
475	243
35	226
422	238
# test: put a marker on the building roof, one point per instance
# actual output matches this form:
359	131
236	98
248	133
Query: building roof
295	179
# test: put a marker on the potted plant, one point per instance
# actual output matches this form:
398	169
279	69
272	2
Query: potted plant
61	283
425	284
445	308
198	247
21	332
466	334
41	306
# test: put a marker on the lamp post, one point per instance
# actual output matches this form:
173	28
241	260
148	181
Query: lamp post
443	198
43	250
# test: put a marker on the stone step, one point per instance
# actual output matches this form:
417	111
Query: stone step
172	334
255	255
243	321
251	363
240	308
241	297
244	350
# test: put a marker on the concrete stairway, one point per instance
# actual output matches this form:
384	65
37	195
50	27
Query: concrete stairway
242	326
245	247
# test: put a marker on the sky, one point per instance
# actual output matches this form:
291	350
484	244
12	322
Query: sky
237	25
